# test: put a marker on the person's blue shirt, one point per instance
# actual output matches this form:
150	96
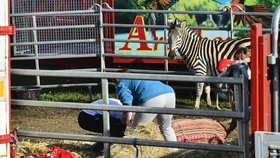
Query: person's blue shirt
112	101
135	92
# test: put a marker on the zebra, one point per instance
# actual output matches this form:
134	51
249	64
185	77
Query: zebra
201	55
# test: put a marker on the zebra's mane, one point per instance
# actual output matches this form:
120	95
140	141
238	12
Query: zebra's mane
193	32
183	25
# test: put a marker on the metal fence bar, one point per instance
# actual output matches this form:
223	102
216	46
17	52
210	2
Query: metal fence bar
158	143
66	56
240	107
275	79
54	42
112	75
184	12
56	27
64	85
104	84
192	27
36	49
133	41
58	13
71	105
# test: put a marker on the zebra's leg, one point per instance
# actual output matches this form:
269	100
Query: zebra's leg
208	97
199	90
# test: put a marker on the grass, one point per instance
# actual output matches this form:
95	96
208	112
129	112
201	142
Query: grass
84	96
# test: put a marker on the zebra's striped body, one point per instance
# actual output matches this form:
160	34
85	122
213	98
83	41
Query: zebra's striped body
201	55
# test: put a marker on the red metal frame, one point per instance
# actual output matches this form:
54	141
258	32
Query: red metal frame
255	33
109	32
261	94
265	98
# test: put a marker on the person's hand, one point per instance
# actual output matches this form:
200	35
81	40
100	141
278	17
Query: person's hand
127	117
130	117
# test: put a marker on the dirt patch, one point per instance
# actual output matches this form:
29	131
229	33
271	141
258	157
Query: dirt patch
46	119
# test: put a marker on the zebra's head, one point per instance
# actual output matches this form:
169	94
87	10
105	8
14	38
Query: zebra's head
175	37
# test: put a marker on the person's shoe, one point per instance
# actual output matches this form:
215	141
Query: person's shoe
98	148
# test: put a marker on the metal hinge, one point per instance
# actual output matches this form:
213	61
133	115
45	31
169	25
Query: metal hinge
8	30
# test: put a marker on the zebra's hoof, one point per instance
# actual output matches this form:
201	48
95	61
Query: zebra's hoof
218	107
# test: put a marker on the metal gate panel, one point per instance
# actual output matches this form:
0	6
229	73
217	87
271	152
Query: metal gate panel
267	144
41	31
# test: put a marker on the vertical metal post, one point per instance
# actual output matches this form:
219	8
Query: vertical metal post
165	37
265	101
238	108
13	22
275	79
104	84
36	48
231	23
246	112
256	31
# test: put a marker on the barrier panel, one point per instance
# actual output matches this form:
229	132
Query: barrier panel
242	113
261	97
240	85
261	88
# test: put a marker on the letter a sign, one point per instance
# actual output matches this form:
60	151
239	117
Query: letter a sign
139	34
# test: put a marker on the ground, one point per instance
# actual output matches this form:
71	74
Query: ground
65	120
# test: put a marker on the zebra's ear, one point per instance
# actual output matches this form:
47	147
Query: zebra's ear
177	22
183	24
170	23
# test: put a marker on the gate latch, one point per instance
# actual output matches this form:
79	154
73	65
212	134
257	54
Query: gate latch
8	30
9	138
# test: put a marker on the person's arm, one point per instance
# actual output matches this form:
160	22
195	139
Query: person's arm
126	97
124	94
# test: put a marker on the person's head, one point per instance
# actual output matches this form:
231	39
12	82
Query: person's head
243	53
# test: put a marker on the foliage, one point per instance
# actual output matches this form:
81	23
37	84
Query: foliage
201	5
270	3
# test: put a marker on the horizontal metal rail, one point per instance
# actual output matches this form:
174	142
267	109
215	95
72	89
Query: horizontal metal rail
63	85
185	12
64	56
57	27
178	111
192	27
133	41
132	141
58	13
137	56
55	42
112	75
150	71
